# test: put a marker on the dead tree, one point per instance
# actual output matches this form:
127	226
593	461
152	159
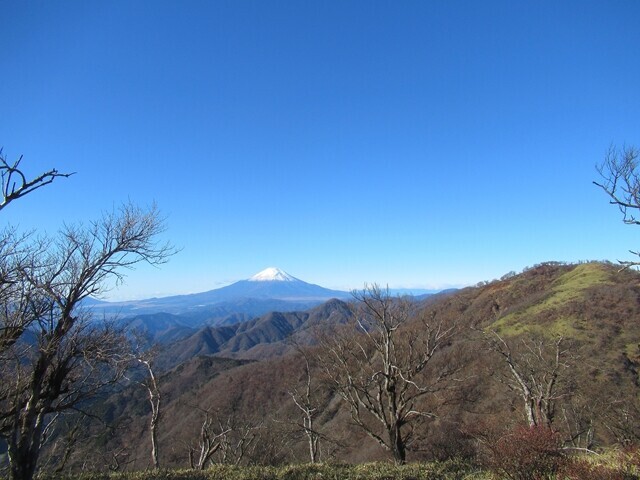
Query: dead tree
224	438
240	440
620	180
536	369
380	367
153	392
69	358
578	417
213	436
303	399
620	419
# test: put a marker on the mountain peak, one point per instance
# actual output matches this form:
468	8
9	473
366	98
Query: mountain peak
272	274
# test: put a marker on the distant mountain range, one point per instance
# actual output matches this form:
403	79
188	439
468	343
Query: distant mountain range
258	338
172	318
270	289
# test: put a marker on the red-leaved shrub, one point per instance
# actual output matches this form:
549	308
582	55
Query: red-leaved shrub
630	456
525	453
579	469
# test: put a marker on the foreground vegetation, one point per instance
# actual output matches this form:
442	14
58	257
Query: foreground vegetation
615	465
374	471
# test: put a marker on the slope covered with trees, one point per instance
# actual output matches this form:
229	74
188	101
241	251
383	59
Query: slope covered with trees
557	342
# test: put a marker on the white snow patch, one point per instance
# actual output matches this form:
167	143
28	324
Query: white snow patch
272	274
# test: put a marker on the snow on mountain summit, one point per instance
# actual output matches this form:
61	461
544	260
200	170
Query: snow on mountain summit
272	274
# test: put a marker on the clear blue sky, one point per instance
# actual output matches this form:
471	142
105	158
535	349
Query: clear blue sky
415	144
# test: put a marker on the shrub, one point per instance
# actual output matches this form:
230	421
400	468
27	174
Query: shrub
581	469
525	453
443	444
629	459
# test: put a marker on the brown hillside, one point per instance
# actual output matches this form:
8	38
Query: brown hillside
593	306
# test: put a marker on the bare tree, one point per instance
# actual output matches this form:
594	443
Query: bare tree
143	353
620	418
381	370
225	436
578	417
14	182
241	438
153	392
63	357
536	372
213	436
621	182
304	401
620	176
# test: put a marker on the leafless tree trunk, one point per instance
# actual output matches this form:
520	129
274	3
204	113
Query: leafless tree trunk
620	418
579	422
240	440
380	370
210	441
153	391
60	376
223	438
63	447
304	401
535	370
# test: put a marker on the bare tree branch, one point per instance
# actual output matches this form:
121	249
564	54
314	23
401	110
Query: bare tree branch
620	180
14	182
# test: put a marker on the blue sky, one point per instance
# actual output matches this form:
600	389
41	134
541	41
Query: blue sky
415	144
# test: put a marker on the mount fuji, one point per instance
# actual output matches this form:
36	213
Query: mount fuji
271	283
267	290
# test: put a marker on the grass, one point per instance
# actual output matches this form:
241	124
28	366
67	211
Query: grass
632	351
569	287
448	470
614	463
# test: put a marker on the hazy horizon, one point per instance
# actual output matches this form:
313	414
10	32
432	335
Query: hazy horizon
124	298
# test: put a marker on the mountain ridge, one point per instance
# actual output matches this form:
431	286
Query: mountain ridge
593	305
269	284
261	337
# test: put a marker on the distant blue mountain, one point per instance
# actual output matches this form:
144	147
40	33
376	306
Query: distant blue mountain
268	290
414	292
271	283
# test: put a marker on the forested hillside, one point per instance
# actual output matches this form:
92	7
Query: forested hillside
555	346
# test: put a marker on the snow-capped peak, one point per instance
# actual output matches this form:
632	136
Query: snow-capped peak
272	274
